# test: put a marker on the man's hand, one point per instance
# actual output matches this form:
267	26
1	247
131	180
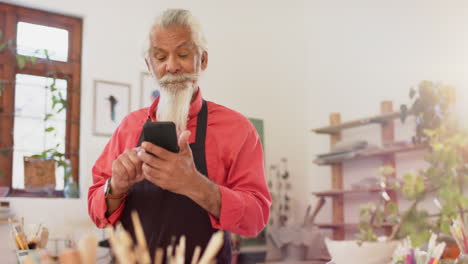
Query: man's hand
176	172
126	171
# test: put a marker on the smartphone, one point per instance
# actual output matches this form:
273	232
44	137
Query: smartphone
162	134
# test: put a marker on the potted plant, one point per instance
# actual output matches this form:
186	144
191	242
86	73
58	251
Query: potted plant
443	178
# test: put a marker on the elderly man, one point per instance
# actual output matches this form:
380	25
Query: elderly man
217	179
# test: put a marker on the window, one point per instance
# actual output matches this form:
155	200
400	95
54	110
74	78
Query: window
40	73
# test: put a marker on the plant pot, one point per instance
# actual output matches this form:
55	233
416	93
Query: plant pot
39	175
350	252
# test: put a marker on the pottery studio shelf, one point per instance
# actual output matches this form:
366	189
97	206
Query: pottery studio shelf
379	152
385	120
336	192
378	119
345	226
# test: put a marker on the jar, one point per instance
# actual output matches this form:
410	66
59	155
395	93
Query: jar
70	189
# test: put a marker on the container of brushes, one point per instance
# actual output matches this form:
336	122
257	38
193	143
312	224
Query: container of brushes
22	254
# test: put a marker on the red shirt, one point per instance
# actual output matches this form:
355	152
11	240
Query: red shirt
234	160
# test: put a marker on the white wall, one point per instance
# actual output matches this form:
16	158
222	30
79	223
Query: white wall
252	69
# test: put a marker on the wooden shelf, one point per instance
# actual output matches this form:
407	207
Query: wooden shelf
386	122
346	226
378	119
379	152
342	192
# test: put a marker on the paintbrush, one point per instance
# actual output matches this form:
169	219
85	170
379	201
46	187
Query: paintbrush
180	251
456	238
44	238
22	236
10	222
158	256
120	246
113	243
140	236
169	257
126	246
214	245
16	238
87	247
36	236
196	255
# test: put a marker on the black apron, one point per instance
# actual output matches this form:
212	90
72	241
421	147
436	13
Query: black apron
166	216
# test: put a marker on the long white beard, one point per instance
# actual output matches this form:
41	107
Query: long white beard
175	98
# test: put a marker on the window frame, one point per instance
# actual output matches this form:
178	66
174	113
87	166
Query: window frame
10	15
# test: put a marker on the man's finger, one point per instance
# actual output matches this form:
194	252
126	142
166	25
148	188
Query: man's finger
135	159
149	172
129	167
156	150
138	178
118	169
149	159
184	141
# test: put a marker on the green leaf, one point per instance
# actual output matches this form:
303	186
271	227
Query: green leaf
62	163
5	153
386	170
46	52
52	86
430	132
1	174
413	186
33	59
54	101
445	224
2	87
49	129
21	61
3	46
392	208
47	116
60	110
1	34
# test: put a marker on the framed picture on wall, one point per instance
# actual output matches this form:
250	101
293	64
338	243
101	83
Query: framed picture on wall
111	105
149	89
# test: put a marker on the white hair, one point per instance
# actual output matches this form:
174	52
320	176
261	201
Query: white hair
180	17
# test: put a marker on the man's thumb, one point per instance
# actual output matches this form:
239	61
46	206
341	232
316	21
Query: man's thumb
184	140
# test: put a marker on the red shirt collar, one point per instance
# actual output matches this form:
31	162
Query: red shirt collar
195	107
